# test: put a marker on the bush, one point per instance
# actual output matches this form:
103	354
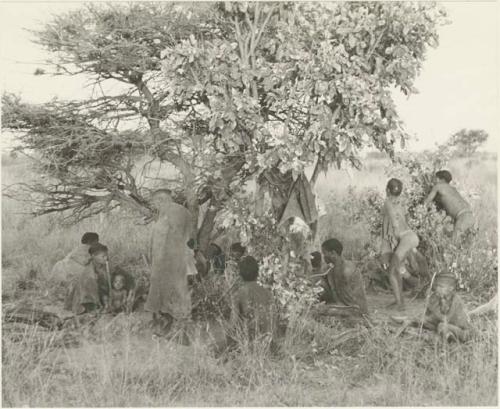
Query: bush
279	255
473	263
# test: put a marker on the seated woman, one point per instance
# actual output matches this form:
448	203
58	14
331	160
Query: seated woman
79	258
83	295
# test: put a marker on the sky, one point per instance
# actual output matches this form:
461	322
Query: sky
458	86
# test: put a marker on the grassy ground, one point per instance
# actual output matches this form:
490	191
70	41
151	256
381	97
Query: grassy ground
118	363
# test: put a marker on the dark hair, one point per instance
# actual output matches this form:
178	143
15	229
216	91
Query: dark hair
237	248
164	190
333	245
129	282
445	279
119	274
316	259
444	175
395	186
249	268
217	248
90	238
97	248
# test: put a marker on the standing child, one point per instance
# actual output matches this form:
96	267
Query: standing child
396	236
452	202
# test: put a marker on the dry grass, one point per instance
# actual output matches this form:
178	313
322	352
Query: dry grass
118	363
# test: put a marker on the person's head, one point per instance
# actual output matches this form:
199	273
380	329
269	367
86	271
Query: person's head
394	187
332	250
444	288
90	238
237	250
161	198
249	268
443	176
316	259
118	282
192	244
99	253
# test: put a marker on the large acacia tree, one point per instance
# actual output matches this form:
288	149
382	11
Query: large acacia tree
218	91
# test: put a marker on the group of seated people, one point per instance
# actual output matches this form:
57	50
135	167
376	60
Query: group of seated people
93	286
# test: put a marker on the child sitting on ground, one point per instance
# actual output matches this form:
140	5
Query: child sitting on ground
253	305
119	297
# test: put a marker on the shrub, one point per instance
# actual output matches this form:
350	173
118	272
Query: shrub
280	255
474	262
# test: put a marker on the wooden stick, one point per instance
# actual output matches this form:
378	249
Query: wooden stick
108	276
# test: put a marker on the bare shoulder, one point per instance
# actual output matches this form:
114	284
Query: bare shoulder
458	305
445	188
352	269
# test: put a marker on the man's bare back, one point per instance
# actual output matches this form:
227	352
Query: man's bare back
347	283
452	202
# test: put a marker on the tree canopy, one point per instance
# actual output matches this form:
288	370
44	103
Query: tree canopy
466	141
221	92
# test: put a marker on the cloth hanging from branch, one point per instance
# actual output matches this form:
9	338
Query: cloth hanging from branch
290	198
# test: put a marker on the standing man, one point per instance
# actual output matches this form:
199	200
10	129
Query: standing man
168	298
